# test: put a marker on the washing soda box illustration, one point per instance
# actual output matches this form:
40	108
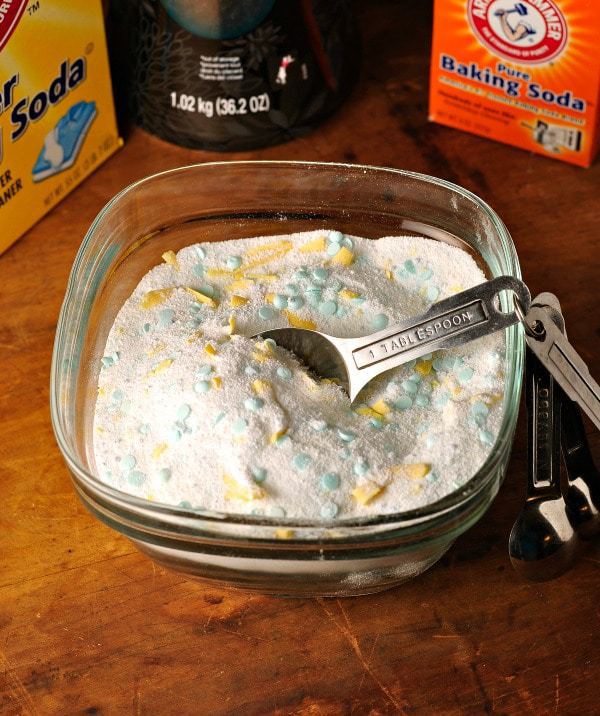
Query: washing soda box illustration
57	119
525	73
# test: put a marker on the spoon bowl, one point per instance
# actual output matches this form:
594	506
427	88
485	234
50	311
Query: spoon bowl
354	362
542	543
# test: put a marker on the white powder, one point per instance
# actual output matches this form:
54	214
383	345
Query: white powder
178	425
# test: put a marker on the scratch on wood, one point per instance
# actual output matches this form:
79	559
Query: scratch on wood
487	703
137	699
556	693
84	565
16	688
346	631
364	674
241	635
590	559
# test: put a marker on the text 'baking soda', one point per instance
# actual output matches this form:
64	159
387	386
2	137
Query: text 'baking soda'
525	73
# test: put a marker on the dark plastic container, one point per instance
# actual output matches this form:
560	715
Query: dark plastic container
231	75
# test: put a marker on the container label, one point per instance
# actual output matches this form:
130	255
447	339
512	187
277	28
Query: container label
237	75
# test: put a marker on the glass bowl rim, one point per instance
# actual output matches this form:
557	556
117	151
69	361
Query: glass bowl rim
190	517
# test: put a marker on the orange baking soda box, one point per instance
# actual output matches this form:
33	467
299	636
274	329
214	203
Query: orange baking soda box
57	119
525	73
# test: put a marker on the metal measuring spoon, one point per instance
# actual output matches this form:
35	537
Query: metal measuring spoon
542	541
583	492
354	362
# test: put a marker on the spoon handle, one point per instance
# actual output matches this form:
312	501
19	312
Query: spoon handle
551	346
543	401
454	321
583	493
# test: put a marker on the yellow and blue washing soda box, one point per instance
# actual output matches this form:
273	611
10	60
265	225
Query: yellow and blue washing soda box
57	117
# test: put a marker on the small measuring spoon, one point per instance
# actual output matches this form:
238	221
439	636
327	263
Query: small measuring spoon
542	541
354	362
583	492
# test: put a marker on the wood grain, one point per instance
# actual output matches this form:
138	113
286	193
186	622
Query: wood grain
88	626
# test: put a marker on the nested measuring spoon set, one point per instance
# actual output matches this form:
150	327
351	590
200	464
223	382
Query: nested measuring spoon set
546	534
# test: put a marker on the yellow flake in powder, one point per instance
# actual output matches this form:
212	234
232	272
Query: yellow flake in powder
101	392
389	275
413	471
210	349
330	381
217	382
159	450
284	533
269	297
195	336
489	399
381	407
219	273
261	387
262	351
237	491
424	367
160	367
155	297
170	258
199	296
240	284
346	293
456	289
369	412
272	255
297	322
282	245
278	434
317	244
156	350
310	383
231	326
364	494
417	470
262	276
237	301
344	257
266	347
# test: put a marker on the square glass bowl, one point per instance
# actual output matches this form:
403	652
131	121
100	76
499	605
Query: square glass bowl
230	200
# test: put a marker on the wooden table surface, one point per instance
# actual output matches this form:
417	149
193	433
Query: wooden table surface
89	626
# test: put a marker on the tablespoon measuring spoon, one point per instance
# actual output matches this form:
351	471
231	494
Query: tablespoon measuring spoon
454	321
